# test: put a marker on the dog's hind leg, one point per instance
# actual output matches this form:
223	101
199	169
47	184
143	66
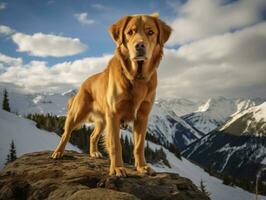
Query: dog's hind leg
78	111
94	139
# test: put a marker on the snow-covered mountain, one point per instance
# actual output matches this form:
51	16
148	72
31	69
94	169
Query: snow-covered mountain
235	148
239	156
168	127
248	122
180	106
26	136
216	111
24	104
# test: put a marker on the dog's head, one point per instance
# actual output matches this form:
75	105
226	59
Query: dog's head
140	40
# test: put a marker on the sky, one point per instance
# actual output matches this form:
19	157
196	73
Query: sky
217	47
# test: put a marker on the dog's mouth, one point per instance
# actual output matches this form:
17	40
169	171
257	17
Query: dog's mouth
139	75
140	58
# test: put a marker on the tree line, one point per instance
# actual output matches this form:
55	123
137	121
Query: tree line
81	139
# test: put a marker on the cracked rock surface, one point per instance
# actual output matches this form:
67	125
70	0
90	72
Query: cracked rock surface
78	177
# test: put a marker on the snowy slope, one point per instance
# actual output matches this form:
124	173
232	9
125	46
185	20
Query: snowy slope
240	156
214	186
168	127
26	136
187	169
24	104
216	111
250	121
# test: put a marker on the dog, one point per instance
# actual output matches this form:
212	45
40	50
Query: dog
123	92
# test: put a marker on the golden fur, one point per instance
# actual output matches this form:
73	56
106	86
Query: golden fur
124	91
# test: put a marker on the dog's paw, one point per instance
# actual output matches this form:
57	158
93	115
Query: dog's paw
96	154
146	169
57	155
118	171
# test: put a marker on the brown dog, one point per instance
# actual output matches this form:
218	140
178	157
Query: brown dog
123	92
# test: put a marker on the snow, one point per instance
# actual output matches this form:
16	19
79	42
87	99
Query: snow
214	186
26	136
187	169
158	121
24	104
258	114
216	111
180	106
229	152
166	125
263	161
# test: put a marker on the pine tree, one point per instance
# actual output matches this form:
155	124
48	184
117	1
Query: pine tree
203	188
5	104
7	159
12	153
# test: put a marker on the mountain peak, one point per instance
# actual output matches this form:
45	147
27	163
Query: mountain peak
248	122
213	102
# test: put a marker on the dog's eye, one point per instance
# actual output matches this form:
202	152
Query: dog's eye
150	32
130	32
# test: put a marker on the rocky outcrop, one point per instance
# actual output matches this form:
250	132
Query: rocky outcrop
78	177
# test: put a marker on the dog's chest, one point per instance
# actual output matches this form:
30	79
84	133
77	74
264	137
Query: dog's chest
129	102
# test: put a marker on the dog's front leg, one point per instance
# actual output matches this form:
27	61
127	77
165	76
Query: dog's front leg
140	128
114	145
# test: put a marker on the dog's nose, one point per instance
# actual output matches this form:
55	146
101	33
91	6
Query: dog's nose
140	46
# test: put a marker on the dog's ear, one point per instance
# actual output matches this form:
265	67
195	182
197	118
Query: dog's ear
164	31
116	30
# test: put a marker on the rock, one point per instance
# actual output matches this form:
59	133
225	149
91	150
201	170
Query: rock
101	194
78	177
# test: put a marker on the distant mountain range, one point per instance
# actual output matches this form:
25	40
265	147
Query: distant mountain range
217	111
180	121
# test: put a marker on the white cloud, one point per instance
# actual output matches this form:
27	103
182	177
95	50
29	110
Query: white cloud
43	45
83	19
232	64
37	76
5	30
10	60
7	61
3	5
203	18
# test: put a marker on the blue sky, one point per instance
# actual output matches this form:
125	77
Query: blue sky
216	47
57	17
